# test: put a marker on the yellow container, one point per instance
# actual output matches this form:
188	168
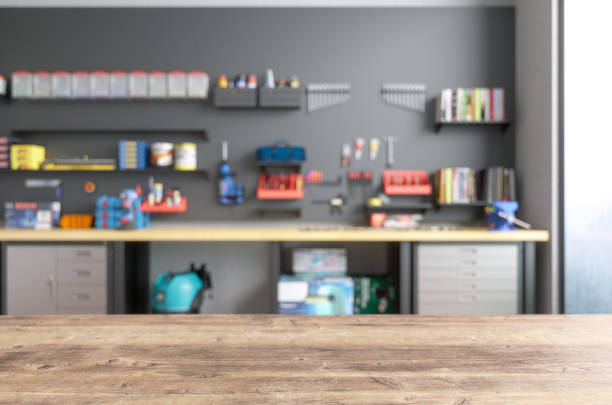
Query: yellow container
27	157
186	156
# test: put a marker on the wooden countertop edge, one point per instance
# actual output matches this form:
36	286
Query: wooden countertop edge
272	234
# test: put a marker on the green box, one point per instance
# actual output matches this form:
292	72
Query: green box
374	295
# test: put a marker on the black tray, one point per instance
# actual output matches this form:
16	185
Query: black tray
280	97
235	98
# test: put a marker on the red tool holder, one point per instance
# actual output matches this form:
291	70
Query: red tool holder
280	187
406	182
163	208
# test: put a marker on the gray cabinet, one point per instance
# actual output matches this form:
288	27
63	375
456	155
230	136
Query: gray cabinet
50	279
467	279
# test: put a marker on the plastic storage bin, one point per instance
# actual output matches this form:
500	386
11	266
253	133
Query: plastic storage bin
235	98
280	97
119	84
81	88
158	85
138	84
22	86
406	182
177	84
61	84
197	84
100	84
41	82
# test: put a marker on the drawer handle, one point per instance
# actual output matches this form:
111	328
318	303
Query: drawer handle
472	274
469	250
469	262
467	298
82	273
83	253
467	286
82	297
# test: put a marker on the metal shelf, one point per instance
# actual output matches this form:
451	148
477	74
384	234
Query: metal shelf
149	171
157	131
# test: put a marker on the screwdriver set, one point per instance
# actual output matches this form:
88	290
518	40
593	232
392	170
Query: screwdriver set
323	95
406	95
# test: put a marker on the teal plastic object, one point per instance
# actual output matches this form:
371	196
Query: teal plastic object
177	292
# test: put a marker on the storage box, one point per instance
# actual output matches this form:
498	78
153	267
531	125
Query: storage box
22	84
158	85
100	84
375	295
280	97
406	182
32	215
177	84
138	84
42	85
27	157
61	84
320	261
197	84
119	87
235	98
81	87
327	296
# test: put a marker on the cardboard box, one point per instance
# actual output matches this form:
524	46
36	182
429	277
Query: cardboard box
325	296
32	215
375	295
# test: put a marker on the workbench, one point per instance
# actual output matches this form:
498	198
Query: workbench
129	252
230	359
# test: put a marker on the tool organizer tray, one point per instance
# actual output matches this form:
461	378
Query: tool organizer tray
234	98
280	97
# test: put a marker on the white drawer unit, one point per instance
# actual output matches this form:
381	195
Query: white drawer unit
467	279
49	279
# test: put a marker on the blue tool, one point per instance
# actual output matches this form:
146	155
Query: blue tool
230	192
175	293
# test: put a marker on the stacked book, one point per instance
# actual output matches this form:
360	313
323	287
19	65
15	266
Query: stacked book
455	185
5	150
499	184
479	104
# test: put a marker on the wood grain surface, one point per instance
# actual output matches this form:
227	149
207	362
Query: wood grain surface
271	234
267	359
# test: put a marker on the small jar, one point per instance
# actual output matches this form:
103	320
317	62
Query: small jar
197	84
158	86
80	85
41	84
177	84
138	84
61	84
119	84
100	84
186	156
21	84
161	154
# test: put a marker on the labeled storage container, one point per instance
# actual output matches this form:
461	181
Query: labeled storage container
22	86
119	84
100	84
2	86
197	84
81	88
186	156
138	84
177	84
61	84
41	84
162	154
158	85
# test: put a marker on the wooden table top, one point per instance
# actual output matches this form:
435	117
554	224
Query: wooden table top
268	359
271	234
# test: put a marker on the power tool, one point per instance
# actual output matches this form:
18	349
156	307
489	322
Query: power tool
181	293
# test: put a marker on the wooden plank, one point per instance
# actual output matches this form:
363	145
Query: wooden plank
271	234
257	359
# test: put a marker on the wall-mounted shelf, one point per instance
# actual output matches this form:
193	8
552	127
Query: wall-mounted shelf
149	171
164	208
153	131
502	124
399	209
470	204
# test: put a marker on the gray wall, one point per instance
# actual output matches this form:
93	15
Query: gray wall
366	47
537	137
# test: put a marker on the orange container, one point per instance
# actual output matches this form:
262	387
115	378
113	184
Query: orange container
76	221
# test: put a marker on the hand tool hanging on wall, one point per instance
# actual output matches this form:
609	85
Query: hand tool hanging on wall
374	147
407	95
323	95
391	140
359	147
335	203
345	160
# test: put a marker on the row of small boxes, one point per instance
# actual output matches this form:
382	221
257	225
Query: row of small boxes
101	84
27	157
133	155
118	212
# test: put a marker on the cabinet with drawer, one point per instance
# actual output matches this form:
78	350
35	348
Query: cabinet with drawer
48	279
468	279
